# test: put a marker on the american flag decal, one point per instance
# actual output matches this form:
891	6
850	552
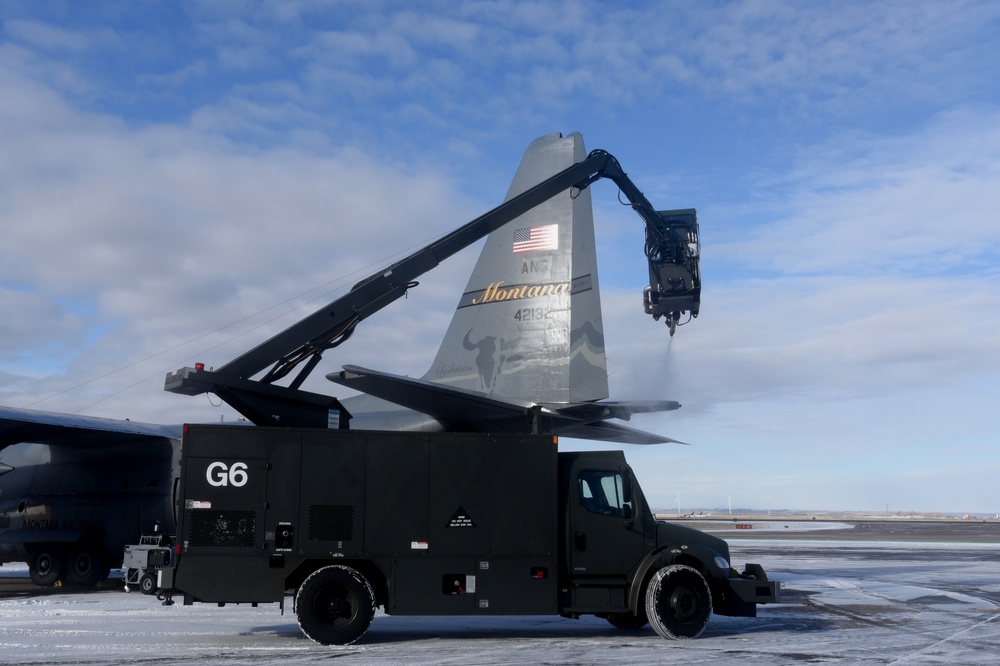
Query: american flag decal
536	238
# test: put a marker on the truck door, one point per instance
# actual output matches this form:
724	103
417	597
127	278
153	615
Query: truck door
605	536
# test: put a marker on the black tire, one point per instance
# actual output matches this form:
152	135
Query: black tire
678	602
335	605
147	583
86	566
628	621
47	565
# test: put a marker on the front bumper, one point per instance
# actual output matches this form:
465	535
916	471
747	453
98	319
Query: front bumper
739	595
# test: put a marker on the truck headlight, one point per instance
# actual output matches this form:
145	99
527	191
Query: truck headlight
721	563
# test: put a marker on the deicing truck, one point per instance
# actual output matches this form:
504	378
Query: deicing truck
437	524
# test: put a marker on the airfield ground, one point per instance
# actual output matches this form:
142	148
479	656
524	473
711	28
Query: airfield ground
973	530
870	592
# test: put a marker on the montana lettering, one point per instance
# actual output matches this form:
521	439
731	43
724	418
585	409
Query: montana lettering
496	293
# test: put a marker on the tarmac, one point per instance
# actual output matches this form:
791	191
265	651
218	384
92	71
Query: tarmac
862	592
798	528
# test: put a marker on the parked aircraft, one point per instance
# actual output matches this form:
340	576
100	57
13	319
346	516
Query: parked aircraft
524	352
75	489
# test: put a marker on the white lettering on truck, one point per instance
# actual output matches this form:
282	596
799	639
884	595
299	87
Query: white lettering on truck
219	474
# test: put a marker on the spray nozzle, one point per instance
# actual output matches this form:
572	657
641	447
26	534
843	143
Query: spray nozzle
673	251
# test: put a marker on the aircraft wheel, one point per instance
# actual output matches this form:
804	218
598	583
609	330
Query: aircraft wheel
628	621
87	566
335	605
147	583
678	602
47	566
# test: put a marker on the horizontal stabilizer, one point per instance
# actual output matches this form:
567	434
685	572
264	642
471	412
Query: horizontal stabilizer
613	432
446	404
462	409
617	409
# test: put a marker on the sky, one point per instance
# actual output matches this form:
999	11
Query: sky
180	180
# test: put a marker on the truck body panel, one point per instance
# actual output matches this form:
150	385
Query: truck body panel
451	521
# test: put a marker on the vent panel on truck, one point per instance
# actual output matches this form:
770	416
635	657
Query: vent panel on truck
222	529
331	522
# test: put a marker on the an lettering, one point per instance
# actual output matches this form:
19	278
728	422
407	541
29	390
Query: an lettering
535	266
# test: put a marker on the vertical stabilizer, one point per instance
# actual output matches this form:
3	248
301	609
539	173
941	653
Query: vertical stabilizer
528	325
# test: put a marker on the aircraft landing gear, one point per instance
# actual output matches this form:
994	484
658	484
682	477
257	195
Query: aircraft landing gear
87	566
47	565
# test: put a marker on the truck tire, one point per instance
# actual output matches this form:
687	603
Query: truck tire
147	583
86	566
335	605
47	565
678	602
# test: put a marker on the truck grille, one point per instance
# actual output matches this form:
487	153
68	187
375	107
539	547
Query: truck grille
226	529
331	522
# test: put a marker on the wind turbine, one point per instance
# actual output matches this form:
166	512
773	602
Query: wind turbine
678	504
730	498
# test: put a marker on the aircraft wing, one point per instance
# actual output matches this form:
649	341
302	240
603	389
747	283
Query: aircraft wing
613	432
470	410
28	425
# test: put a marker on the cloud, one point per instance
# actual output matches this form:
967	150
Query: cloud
752	49
866	274
55	38
38	335
850	332
826	340
165	233
920	204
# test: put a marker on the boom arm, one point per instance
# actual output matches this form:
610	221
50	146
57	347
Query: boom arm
675	288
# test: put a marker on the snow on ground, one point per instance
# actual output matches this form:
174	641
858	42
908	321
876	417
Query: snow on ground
741	526
844	602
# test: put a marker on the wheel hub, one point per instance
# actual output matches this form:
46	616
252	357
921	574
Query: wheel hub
44	564
683	604
337	607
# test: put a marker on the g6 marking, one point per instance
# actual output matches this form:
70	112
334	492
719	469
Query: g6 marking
219	474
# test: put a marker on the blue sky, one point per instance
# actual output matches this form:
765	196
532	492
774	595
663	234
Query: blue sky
170	168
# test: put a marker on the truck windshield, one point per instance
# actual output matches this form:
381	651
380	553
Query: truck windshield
601	491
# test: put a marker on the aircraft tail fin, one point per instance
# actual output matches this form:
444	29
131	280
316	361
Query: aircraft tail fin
528	325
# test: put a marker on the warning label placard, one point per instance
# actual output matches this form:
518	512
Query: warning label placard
461	519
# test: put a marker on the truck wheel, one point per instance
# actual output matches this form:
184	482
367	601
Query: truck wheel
678	602
86	567
47	566
147	583
335	605
628	621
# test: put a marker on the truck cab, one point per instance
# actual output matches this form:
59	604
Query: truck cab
613	548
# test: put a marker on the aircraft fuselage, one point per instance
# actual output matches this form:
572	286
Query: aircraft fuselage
69	512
